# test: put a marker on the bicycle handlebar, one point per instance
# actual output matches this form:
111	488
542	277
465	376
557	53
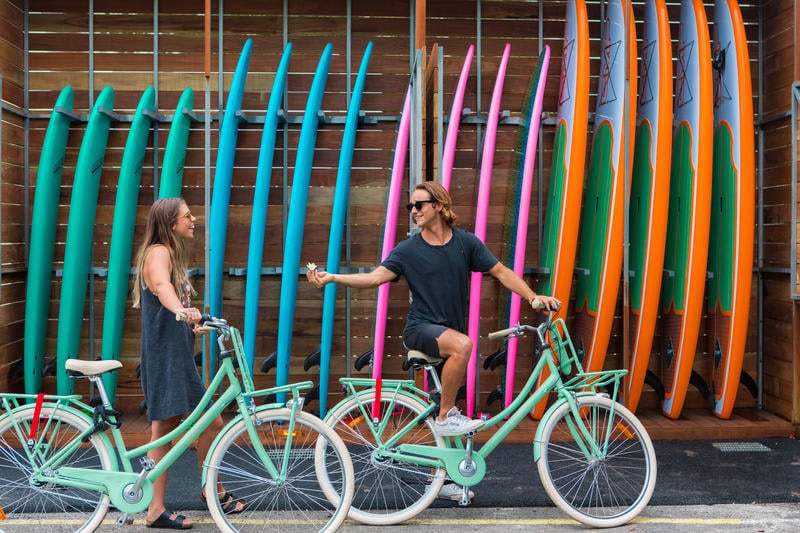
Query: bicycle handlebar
205	321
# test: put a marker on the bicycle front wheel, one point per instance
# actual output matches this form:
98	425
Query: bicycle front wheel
295	502
43	507
603	478
386	491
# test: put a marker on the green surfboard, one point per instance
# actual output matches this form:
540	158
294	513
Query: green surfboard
175	152
80	235
119	256
47	190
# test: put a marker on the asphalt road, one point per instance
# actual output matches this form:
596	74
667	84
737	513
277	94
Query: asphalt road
704	486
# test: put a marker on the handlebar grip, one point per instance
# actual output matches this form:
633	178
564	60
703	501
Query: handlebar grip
180	316
502	333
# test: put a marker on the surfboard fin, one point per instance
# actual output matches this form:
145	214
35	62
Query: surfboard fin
363	360
310	397
49	368
17	370
651	379
748	381
700	384
270	362
312	360
498	393
498	358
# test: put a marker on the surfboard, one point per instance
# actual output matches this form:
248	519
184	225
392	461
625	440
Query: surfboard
175	152
80	236
338	218
389	231
221	194
481	215
649	194
121	248
296	219
258	220
454	119
730	249
561	224
688	225
602	229
523	211
44	220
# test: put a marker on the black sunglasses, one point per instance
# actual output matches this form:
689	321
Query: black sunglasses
418	204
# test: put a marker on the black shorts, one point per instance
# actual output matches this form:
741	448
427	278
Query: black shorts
424	337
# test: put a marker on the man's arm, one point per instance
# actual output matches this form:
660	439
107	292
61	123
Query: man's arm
511	281
361	280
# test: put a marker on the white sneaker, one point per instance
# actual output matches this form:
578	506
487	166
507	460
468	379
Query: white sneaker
451	491
456	424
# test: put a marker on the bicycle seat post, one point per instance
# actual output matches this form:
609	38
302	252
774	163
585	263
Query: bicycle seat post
97	381
437	384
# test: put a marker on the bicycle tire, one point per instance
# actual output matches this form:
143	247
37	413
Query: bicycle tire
41	507
296	504
386	492
624	474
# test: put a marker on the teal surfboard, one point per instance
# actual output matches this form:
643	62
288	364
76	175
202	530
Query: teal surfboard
119	256
296	218
175	152
80	236
258	222
47	190
340	202
221	195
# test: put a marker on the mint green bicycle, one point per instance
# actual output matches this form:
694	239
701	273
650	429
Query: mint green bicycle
595	458
63	461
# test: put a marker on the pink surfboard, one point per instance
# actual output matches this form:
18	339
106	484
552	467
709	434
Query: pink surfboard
481	216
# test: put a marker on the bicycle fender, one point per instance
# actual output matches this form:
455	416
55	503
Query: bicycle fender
399	393
81	412
235	420
537	440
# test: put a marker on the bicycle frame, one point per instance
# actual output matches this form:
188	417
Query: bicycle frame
132	491
452	458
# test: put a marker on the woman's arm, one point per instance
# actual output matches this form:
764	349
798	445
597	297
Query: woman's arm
365	280
157	276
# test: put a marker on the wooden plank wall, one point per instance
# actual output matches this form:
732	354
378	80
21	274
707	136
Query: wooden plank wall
12	188
780	65
125	57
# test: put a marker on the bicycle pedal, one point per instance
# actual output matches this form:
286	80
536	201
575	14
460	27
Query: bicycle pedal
125	520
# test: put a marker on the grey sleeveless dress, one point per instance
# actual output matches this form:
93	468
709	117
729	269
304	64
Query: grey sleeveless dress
170	380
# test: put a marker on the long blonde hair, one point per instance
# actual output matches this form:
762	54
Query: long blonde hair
159	231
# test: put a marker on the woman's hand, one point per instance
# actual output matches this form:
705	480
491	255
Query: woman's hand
191	315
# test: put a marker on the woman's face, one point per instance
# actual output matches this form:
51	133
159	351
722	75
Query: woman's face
184	225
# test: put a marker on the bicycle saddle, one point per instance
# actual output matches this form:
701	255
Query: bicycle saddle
91	368
419	359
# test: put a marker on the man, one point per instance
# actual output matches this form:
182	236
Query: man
437	263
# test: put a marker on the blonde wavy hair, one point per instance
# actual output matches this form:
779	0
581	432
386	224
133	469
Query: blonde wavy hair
159	231
442	197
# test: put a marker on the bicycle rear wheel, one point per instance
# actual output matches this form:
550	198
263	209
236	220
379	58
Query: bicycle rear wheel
606	489
42	506
296	503
386	491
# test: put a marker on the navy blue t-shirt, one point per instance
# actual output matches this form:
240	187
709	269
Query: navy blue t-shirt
438	276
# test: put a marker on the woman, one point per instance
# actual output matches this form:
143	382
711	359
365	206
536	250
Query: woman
170	381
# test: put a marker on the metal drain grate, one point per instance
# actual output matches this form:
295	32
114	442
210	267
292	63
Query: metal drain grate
726	447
